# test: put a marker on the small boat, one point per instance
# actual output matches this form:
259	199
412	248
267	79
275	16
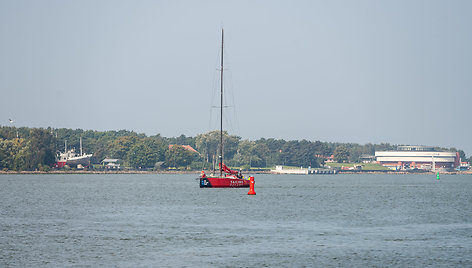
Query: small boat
227	178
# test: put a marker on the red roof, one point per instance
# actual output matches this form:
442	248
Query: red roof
188	147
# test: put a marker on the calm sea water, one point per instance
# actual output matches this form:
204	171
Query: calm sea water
293	221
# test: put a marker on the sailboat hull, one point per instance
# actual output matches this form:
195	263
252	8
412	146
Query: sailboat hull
223	182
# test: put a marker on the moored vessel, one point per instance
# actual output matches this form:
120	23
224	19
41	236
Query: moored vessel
227	178
72	158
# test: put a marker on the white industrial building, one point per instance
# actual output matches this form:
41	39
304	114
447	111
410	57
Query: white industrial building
418	157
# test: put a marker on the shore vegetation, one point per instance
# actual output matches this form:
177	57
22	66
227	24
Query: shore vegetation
34	149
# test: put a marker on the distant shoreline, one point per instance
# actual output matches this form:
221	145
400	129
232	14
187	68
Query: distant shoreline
99	172
469	172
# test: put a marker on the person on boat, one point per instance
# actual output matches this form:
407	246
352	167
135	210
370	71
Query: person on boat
239	174
202	174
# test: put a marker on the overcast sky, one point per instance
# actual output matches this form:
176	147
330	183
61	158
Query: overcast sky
347	71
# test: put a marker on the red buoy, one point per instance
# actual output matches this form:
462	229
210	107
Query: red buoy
251	186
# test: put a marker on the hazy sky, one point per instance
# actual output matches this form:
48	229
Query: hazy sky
347	71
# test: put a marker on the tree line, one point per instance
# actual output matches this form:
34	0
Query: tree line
36	148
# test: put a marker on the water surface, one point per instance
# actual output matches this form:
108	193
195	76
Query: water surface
293	221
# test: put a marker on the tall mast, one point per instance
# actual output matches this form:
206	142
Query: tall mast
221	105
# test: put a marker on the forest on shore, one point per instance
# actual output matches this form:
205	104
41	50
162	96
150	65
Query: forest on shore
26	149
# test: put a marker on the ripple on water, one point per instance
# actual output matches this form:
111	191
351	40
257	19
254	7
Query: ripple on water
293	221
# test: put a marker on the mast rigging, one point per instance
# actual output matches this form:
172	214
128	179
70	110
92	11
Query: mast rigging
221	104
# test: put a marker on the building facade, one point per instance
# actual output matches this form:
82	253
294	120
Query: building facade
418	157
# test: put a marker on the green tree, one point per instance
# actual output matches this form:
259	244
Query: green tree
341	154
178	156
8	150
247	155
100	149
21	160
298	153
355	151
270	149
38	151
120	147
146	153
207	144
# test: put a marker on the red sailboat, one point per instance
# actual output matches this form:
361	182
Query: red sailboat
227	177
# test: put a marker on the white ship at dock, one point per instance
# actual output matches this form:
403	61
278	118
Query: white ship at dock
72	158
